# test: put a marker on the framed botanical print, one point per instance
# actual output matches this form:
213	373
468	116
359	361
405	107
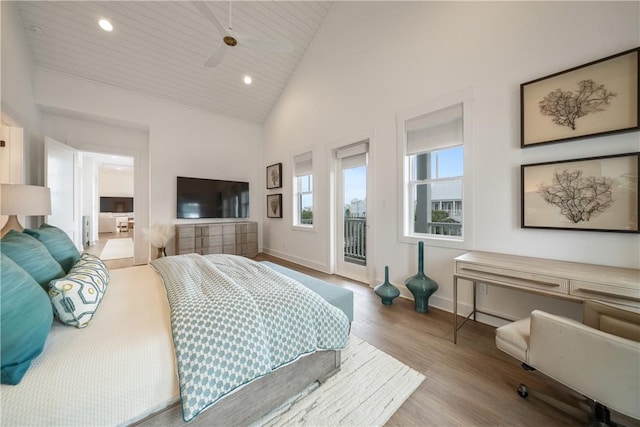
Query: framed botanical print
597	98
274	176
593	194
274	206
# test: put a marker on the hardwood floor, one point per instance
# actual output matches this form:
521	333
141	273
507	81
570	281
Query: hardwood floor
97	248
468	384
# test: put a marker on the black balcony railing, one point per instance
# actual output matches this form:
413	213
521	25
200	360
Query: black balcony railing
355	240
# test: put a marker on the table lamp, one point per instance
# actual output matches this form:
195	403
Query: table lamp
22	199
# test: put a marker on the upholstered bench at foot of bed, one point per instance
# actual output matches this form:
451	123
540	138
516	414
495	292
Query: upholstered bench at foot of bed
333	294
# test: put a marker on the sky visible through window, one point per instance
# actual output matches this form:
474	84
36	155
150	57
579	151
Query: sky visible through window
450	162
355	179
355	184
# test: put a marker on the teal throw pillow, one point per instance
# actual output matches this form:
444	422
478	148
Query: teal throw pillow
32	256
76	296
58	244
25	316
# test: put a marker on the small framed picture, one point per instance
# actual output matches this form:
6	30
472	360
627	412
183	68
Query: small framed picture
274	176
274	205
593	194
597	98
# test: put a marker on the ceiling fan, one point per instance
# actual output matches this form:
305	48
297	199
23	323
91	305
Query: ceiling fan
231	39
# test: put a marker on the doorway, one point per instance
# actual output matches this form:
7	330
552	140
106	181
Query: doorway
79	182
352	228
114	205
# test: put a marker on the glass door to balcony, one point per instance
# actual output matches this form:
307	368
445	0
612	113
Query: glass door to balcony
351	211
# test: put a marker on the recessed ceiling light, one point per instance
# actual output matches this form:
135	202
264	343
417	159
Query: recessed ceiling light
247	80
105	25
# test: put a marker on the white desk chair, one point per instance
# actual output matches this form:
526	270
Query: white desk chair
599	359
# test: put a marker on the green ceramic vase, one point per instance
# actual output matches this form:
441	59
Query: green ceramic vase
421	286
386	291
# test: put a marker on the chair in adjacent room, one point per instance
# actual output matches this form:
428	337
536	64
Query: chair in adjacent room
599	358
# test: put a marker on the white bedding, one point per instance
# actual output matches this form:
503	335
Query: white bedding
117	370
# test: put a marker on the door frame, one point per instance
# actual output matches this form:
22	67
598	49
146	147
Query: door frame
336	230
140	157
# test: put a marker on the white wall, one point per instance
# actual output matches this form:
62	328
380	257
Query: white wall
181	141
371	60
89	195
115	183
17	91
85	130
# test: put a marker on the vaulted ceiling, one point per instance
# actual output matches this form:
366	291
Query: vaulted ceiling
159	48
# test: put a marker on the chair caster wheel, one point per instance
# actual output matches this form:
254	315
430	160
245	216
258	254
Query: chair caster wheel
523	391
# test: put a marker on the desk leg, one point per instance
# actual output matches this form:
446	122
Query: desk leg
474	300
455	310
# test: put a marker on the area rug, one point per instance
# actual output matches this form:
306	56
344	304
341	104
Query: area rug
118	248
367	391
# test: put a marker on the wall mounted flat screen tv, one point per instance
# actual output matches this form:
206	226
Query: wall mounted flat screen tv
212	198
116	204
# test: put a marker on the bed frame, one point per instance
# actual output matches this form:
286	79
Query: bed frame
259	397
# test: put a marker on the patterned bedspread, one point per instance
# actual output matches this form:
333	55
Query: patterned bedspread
235	320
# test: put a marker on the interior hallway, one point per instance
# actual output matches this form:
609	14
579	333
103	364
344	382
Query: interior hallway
96	249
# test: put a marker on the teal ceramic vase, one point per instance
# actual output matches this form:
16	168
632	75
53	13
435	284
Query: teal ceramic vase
421	286
386	291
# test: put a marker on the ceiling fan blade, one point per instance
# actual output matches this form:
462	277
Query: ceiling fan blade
274	46
217	56
208	15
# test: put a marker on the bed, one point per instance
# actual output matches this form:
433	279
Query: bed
122	368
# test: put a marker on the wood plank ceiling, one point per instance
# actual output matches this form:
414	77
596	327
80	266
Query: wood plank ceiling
159	48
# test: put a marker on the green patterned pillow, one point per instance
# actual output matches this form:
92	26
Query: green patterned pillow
76	296
58	244
32	256
25	320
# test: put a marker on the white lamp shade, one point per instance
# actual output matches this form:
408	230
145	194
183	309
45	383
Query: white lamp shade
27	200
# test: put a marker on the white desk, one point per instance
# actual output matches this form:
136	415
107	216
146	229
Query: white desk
557	279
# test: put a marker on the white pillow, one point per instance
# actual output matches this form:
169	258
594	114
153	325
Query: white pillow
76	296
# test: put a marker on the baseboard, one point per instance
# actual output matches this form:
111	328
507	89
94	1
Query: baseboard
297	260
436	301
464	309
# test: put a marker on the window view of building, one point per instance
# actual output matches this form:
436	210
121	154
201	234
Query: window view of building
436	173
355	214
437	181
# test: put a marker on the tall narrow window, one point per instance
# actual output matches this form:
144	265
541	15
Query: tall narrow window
435	159
303	190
